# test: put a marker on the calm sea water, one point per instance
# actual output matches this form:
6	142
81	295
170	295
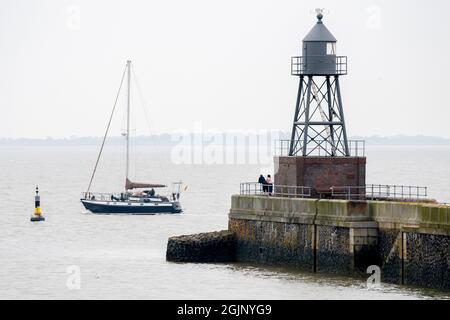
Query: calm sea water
123	257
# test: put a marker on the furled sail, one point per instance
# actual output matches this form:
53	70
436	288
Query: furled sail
135	185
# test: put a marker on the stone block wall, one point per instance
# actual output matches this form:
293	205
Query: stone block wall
273	243
314	235
333	253
390	255
320	173
203	247
426	260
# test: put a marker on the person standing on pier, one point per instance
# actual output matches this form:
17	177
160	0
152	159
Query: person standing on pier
269	183
262	181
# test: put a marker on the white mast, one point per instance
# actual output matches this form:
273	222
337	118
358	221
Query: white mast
128	119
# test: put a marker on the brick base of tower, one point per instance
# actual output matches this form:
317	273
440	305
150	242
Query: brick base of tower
321	173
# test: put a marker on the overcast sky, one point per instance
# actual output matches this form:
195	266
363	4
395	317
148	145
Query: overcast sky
224	64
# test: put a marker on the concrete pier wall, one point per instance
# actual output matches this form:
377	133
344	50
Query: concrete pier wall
410	242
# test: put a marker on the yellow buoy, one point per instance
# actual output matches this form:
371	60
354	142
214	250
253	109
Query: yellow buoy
37	208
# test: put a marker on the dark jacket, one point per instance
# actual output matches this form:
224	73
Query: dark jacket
262	180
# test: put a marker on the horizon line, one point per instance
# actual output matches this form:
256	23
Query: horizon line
239	132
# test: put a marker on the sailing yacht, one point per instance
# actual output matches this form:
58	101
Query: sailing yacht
136	197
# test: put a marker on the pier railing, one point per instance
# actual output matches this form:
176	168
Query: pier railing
380	192
256	188
368	192
282	148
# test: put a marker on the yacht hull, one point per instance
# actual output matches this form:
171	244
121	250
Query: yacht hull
129	207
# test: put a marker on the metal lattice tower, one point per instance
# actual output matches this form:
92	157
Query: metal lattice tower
319	125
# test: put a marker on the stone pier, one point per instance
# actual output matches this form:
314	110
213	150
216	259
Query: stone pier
409	242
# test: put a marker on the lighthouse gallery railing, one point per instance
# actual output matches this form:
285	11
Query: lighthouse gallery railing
300	65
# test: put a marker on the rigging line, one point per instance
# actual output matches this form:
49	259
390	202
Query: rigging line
106	132
144	105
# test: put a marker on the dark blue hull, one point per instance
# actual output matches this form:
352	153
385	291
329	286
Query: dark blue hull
101	207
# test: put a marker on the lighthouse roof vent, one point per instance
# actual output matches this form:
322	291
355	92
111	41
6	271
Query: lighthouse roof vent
319	33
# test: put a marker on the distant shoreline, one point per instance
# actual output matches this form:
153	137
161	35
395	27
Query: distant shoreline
169	140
